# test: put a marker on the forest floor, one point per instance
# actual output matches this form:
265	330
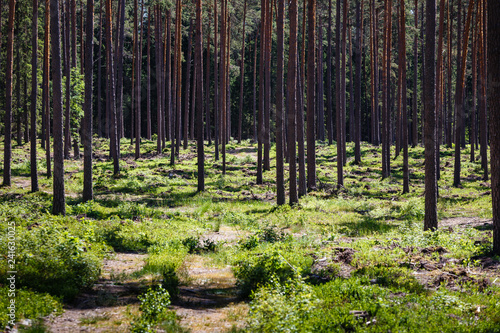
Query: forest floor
342	260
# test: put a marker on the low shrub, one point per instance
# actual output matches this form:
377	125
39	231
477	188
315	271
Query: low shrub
52	260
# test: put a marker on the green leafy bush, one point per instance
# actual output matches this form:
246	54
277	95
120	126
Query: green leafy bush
29	305
50	259
282	307
256	269
154	311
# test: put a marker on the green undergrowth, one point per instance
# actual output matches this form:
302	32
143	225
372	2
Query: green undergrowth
344	259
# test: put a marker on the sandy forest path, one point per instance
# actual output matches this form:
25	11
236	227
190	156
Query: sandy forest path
208	297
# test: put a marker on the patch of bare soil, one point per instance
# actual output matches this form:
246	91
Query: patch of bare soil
462	222
108	307
209	302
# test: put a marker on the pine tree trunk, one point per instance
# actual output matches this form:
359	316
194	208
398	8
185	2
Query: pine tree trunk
311	64
67	73
242	72
459	97
178	58
88	193
403	97
280	183
321	93
159	83
119	70
148	80
216	84
99	76
329	109
260	136
254	115
430	220
386	171
45	98
198	59
357	82
493	54
188	86
291	100
59	202
439	93
8	96
34	92
474	51
267	85
414	120
208	125
483	124
110	98
167	126
351	86
338	100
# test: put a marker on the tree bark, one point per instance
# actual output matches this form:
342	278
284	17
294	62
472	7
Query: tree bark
188	86
291	100
88	193
67	73
8	95
483	123
386	70
148	80
119	70
329	109
242	72
493	56
338	100
320	98
459	97
34	92
59	202
402	95
199	94
430	220
46	79
414	120
99	76
311	64
110	98
357	91
280	184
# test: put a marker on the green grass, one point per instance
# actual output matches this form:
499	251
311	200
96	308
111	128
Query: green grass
152	207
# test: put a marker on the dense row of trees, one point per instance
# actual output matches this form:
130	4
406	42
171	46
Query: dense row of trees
437	93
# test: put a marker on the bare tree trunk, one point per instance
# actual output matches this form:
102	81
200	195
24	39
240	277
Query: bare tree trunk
386	169
321	104
267	84
254	116
493	53
167	126
159	82
474	51
311	64
299	107
178	45
414	120
338	100
138	64
223	90
280	177
148	79
439	94
59	202
430	221
67	73
483	124
329	109
351	84
99	78
357	92
208	125
459	97
242	72
34	92
216	85
198	59
110	98
45	99
402	96
8	96
291	100
119	70
260	137
88	193
188	86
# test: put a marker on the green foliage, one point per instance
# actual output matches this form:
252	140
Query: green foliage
255	268
154	310
282	307
51	259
